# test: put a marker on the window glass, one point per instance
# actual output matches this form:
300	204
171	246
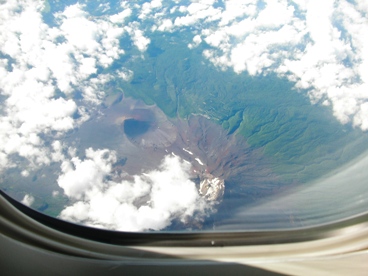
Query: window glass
185	115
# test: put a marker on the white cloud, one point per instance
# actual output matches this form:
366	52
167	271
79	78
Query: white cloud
150	201
98	38
197	11
57	154
139	40
196	41
121	16
40	61
320	46
80	32
276	13
87	67
28	200
125	74
25	173
166	25
321	67
235	9
147	8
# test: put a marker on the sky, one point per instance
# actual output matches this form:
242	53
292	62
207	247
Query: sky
320	46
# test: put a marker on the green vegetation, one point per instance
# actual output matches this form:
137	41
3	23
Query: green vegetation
55	205
302	141
44	202
233	123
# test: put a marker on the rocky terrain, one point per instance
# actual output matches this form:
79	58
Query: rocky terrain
218	159
212	188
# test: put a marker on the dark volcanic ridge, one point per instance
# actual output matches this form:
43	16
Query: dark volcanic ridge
198	140
213	153
227	171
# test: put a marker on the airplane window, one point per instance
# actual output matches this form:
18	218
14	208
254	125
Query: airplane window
185	115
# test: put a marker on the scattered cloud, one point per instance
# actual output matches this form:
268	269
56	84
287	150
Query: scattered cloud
121	16
25	173
148	201
139	40
43	66
166	25
196	41
318	46
125	74
28	200
148	7
197	11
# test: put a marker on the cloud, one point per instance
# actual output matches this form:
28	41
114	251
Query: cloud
25	173
42	66
148	7
121	16
28	200
139	40
197	11
196	41
319	46
148	201
125	74
166	25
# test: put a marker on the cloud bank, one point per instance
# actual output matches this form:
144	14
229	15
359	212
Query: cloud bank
150	201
